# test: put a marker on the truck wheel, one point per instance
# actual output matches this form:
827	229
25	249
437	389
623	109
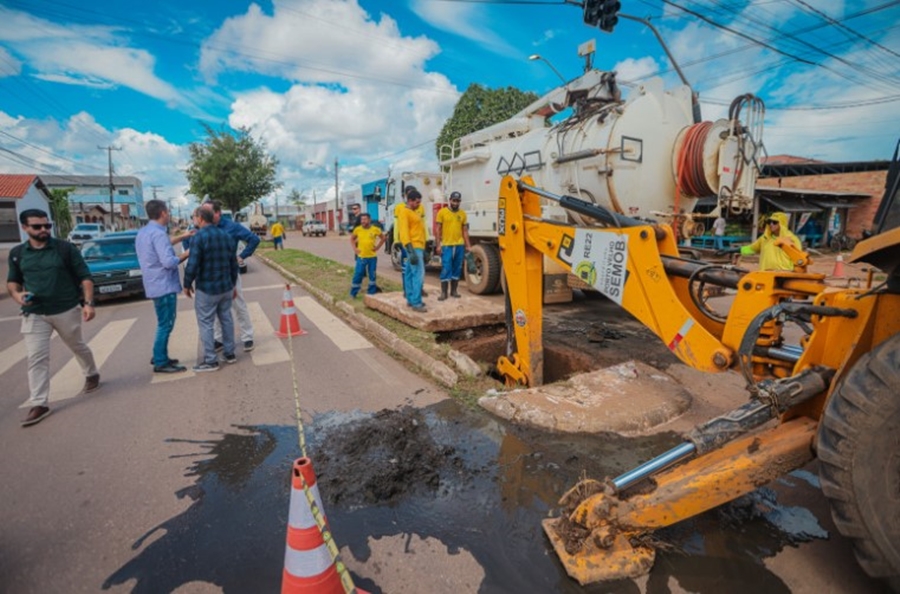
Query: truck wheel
859	460
396	256
486	278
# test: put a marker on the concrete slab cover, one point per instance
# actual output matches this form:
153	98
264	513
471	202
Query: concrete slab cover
630	398
468	311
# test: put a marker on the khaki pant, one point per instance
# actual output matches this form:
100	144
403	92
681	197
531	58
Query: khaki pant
37	331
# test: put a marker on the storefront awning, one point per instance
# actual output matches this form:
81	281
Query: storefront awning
792	204
803	200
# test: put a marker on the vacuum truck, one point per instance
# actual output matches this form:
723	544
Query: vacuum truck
648	156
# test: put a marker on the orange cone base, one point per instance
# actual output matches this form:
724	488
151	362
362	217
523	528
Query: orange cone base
290	324
290	329
838	271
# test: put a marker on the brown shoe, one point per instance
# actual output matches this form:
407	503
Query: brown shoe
91	383
36	415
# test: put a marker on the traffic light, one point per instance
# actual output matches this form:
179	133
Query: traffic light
602	13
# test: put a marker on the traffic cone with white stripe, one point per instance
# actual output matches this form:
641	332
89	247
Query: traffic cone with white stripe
290	323
838	271
309	566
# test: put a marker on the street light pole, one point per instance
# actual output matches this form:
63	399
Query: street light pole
552	67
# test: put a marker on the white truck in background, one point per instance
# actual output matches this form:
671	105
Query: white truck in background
631	156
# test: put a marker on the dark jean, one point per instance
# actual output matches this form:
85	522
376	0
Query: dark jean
166	310
364	267
451	262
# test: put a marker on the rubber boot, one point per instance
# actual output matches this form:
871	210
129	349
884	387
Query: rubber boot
453	286
443	290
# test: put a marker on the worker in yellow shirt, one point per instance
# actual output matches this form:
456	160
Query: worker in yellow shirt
771	256
451	243
278	235
411	230
366	240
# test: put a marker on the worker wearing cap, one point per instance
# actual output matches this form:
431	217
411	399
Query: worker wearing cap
771	256
411	229
451	243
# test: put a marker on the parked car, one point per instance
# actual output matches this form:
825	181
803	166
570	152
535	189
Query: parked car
85	231
314	228
114	265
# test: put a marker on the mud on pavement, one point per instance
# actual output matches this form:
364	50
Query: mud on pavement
474	486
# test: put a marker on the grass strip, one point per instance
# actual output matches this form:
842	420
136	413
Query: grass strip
333	278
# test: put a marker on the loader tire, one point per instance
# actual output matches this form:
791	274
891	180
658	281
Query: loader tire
486	279
859	460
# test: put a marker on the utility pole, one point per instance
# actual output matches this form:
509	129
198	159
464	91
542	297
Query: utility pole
337	199
154	187
112	188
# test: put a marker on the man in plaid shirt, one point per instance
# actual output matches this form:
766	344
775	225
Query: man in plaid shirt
212	266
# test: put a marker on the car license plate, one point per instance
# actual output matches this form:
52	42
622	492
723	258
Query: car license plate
110	288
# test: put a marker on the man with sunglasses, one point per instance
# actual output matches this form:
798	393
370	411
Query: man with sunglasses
49	279
771	256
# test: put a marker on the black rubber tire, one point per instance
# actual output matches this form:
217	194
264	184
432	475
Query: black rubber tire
396	257
859	460
487	261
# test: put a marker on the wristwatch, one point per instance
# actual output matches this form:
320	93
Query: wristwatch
84	303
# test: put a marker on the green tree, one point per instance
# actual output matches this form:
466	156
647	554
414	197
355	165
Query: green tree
479	108
59	208
232	167
295	198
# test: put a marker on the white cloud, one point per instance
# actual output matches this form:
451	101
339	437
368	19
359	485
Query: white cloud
465	19
368	96
93	56
9	65
632	69
70	147
548	36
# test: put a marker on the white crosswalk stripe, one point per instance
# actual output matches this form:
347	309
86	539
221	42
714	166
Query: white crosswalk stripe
342	335
68	381
184	345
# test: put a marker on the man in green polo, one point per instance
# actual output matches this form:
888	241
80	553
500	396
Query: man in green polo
44	277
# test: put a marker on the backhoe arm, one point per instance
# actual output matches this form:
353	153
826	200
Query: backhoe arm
625	264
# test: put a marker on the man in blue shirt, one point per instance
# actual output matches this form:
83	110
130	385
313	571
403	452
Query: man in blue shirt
238	233
213	265
159	269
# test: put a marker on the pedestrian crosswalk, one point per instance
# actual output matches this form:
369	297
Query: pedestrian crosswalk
184	345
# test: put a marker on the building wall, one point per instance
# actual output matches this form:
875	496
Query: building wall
864	182
33	198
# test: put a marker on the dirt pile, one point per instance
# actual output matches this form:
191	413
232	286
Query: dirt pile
380	459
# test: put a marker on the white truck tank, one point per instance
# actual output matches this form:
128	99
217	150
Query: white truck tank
643	157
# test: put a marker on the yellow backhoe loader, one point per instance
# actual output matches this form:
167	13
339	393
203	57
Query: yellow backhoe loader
834	395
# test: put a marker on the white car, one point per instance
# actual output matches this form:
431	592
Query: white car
311	228
85	231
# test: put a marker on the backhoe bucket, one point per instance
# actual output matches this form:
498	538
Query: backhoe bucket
594	564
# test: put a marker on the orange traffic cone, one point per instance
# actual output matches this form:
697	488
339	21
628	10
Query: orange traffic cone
290	323
838	267
308	564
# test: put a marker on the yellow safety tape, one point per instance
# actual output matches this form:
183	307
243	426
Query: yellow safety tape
346	580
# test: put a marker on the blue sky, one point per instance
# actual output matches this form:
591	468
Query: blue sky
371	82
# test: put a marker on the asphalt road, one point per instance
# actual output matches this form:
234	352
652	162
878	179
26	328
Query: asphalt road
81	488
108	493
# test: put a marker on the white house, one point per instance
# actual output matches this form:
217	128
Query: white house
19	192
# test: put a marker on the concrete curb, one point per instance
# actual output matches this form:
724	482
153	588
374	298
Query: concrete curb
436	369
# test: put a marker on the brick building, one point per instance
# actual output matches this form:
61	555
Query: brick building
821	189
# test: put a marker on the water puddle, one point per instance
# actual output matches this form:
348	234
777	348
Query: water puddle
445	473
